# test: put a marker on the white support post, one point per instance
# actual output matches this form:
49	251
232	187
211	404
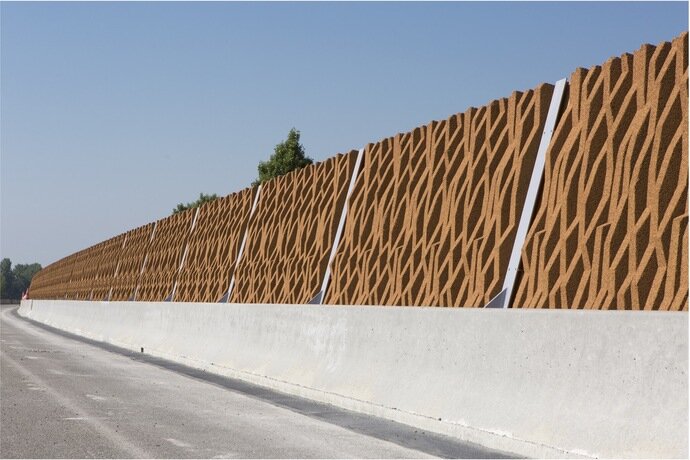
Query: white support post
503	298
318	299
226	297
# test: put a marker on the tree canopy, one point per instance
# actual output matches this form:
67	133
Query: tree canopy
194	204
13	282
288	156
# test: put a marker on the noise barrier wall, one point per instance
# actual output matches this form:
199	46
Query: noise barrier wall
433	215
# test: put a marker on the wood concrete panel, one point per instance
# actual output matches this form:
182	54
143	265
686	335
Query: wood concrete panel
611	229
52	281
163	256
213	247
74	269
88	271
130	262
291	233
435	210
47	281
44	281
107	266
75	286
61	289
40	282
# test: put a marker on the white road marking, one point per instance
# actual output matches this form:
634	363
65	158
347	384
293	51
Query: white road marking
84	418
178	443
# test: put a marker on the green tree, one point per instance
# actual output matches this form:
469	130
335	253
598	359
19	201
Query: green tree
6	279
202	199
23	274
14	281
288	156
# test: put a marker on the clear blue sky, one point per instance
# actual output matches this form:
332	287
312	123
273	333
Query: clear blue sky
111	114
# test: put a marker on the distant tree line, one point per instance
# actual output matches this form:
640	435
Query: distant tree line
15	281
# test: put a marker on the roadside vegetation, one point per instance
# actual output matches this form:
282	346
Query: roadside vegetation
194	204
15	281
287	156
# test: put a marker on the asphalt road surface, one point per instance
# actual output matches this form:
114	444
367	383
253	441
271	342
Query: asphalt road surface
66	397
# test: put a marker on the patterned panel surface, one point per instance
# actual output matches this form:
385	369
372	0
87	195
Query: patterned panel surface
164	256
611	230
435	210
66	275
291	233
76	285
213	248
130	262
107	265
89	271
44	282
51	282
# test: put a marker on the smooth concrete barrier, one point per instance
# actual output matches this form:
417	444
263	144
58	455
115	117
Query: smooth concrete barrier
537	383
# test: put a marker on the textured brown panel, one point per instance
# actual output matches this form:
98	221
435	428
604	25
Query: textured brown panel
107	264
81	276
434	212
46	281
75	286
611	231
89	271
72	270
62	276
292	232
43	281
163	257
130	262
213	247
40	282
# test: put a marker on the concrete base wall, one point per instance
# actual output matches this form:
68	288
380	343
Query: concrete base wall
534	382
